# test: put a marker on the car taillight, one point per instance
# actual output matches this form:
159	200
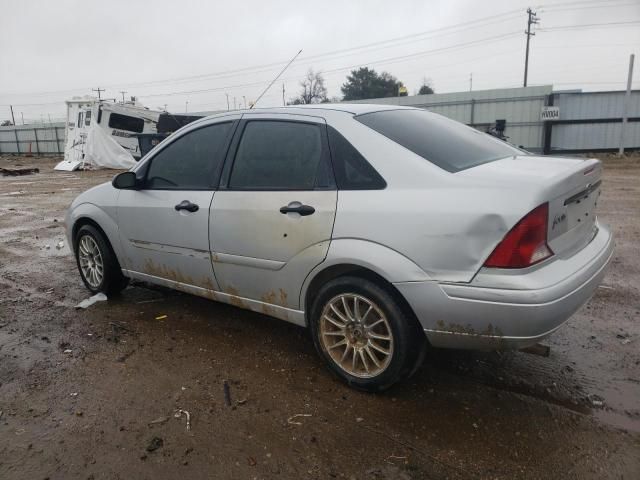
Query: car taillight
525	244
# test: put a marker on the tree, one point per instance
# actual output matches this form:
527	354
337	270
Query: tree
427	87
367	83
313	89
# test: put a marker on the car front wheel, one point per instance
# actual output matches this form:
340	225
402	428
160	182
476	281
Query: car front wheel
98	265
364	335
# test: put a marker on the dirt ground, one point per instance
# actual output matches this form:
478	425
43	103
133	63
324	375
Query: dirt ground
92	394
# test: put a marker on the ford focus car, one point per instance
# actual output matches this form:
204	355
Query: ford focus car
384	230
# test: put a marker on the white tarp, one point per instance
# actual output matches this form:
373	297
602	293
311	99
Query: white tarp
102	151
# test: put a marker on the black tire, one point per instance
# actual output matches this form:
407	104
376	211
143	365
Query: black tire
409	342
112	281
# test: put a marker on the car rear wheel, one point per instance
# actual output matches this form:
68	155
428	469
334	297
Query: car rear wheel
98	265
364	335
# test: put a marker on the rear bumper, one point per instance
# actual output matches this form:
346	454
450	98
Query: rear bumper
506	309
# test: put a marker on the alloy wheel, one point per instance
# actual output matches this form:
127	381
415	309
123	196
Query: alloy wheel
91	262
356	334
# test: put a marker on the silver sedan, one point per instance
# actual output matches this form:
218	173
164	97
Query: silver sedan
385	230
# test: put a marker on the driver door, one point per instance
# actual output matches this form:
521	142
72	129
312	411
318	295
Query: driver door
164	224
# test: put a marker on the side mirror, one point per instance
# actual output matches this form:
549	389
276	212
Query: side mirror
125	181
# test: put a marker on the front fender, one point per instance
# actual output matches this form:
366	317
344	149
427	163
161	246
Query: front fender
384	261
98	215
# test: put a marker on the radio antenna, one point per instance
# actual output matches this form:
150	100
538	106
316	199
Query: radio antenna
274	80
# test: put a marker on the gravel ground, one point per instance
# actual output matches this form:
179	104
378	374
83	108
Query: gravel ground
93	393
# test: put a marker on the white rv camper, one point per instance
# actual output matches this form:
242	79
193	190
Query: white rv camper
101	133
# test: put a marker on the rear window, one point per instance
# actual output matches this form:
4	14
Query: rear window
444	142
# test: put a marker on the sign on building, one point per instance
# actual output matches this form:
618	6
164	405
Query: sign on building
550	113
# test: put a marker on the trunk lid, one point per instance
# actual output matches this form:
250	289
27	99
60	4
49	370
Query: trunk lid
570	185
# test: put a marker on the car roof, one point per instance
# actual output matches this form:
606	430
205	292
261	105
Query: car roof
347	108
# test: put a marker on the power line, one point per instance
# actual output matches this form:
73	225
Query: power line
587	25
572	4
389	42
388	60
588	7
309	59
335	53
383	61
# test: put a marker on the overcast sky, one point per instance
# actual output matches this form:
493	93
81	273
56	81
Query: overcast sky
52	50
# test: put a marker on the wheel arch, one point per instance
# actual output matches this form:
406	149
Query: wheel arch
362	258
81	222
89	214
351	270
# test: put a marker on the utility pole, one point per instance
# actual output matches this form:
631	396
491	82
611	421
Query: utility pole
471	81
186	106
123	92
625	105
227	101
98	90
283	102
22	115
532	20
12	117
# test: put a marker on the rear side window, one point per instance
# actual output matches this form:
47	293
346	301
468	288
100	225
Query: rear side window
444	142
87	118
191	162
351	169
278	155
125	122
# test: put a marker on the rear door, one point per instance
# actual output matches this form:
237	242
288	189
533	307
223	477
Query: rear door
164	224
272	218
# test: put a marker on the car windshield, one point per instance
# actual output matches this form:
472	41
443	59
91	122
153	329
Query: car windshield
448	144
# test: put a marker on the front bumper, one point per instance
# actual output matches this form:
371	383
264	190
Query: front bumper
507	309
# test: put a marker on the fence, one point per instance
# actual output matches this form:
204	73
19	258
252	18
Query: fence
582	121
592	122
39	139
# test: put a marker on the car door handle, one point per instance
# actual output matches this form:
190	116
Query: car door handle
188	206
303	210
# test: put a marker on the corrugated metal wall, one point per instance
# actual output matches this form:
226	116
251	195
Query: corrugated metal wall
591	121
40	138
520	107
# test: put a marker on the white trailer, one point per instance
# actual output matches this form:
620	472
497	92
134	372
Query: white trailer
102	133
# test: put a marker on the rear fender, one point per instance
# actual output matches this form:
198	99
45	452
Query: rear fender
389	264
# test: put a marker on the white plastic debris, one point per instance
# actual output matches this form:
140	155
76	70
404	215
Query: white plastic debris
179	413
86	303
291	421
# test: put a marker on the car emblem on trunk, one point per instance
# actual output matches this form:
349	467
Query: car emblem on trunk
558	219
